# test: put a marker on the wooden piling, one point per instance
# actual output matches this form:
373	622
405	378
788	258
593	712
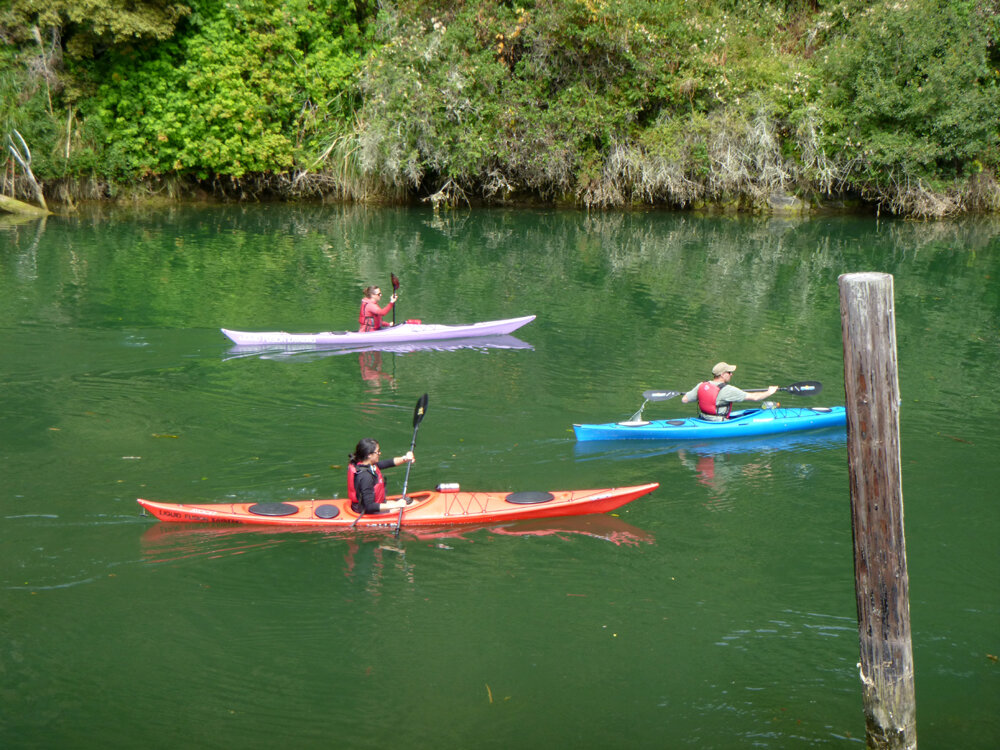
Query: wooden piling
873	454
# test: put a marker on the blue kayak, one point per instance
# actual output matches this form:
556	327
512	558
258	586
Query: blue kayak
745	423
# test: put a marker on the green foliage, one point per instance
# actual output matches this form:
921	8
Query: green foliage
615	98
601	101
913	90
501	95
89	23
548	91
245	88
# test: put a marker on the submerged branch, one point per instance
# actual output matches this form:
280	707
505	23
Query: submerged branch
22	154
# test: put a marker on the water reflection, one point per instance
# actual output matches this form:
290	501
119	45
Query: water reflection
618	450
372	373
718	472
367	549
718	465
308	352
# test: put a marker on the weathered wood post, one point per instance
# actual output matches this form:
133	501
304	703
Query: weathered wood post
873	456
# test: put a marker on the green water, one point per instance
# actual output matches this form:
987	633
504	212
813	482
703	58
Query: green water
718	612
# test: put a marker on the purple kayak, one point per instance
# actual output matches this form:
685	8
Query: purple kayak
402	333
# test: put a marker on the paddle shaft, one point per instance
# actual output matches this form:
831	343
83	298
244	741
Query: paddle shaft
418	416
406	480
804	388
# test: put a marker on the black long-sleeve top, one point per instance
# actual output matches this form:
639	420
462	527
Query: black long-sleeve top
364	486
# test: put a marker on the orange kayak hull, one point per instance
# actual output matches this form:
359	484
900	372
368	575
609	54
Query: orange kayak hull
429	508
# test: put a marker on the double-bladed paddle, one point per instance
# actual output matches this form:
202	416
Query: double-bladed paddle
418	416
802	388
395	288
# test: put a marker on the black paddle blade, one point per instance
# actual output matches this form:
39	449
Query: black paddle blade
805	388
659	395
395	282
419	411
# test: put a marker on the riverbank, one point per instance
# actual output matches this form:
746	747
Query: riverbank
66	195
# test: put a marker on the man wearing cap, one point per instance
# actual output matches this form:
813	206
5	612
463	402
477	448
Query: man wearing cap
716	397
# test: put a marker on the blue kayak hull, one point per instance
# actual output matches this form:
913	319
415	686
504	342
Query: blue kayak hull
746	423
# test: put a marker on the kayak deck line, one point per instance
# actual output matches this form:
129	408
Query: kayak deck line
402	333
429	508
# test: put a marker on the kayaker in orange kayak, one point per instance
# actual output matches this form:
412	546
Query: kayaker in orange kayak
370	315
365	483
716	397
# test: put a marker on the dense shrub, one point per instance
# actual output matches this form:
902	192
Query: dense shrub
913	96
246	87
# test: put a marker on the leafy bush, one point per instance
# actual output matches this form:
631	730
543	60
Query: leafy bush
913	91
244	88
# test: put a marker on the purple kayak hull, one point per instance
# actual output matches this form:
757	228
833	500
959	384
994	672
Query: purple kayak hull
402	333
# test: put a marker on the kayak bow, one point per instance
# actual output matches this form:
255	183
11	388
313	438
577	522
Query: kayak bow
429	508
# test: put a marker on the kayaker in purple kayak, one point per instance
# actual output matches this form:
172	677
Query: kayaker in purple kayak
370	315
716	397
365	483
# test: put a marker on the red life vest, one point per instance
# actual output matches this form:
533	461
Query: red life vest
366	320
370	315
708	396
352	492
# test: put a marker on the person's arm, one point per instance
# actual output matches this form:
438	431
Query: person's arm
771	390
366	486
387	308
388	463
366	494
733	394
691	395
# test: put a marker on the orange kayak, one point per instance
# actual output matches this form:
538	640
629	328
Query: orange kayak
430	508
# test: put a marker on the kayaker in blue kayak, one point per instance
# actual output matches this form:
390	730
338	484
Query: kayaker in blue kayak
365	483
716	397
370	315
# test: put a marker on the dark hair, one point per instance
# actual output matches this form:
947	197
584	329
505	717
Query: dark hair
369	290
365	447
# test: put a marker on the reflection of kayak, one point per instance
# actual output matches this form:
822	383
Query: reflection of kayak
608	528
791	442
402	333
744	423
431	508
274	351
171	541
